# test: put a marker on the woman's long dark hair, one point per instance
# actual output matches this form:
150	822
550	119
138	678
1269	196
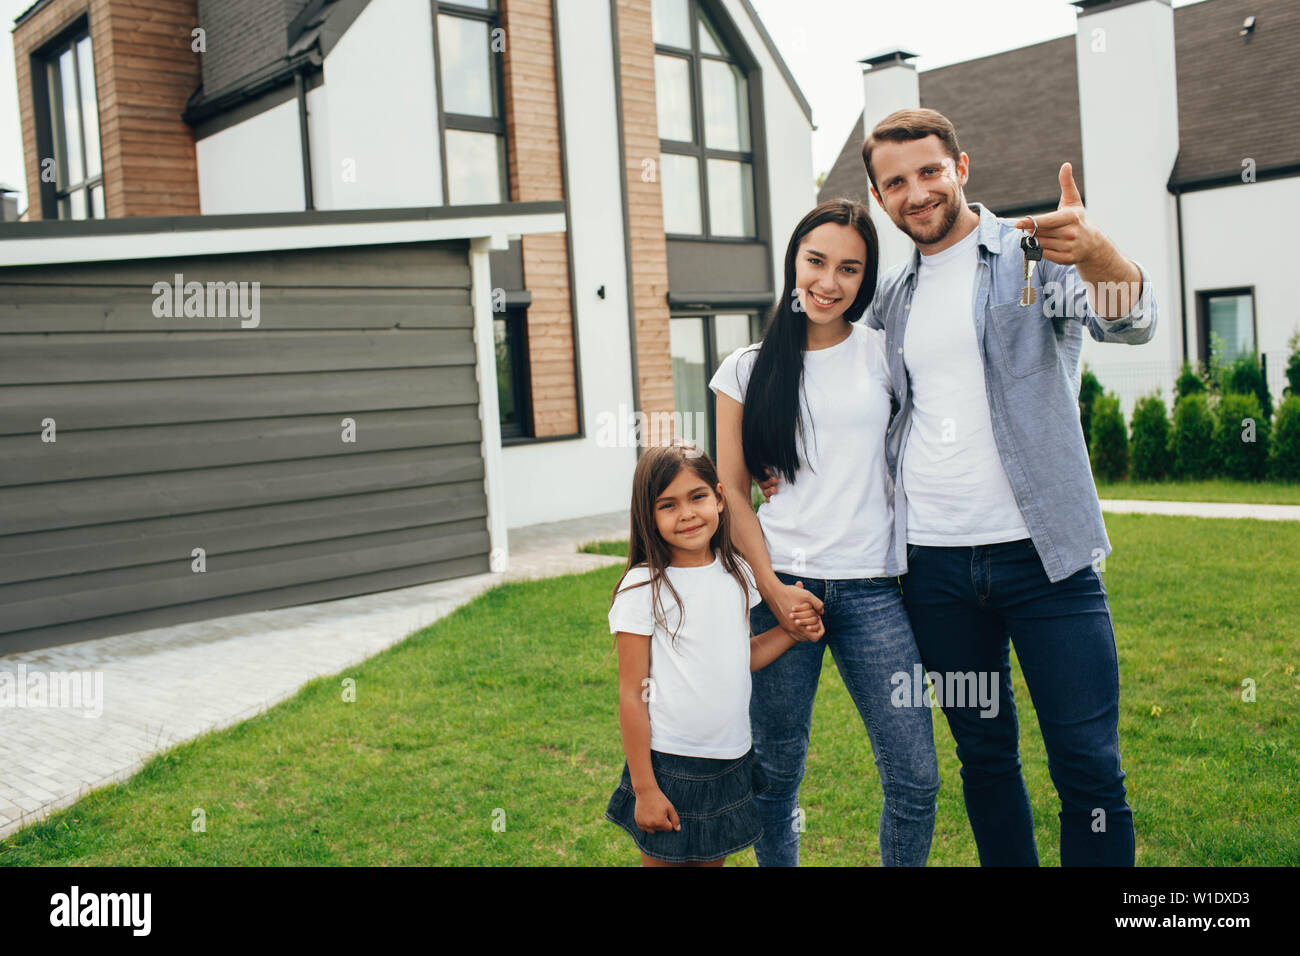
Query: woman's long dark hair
771	418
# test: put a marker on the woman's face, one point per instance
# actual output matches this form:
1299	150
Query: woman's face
828	270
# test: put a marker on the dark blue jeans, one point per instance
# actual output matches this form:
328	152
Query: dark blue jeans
869	636
967	605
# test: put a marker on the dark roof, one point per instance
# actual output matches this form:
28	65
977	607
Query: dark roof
1232	104
257	45
1237	96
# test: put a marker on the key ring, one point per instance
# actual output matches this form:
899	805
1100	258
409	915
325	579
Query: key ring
1035	222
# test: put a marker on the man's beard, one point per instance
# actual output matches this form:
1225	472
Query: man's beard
948	210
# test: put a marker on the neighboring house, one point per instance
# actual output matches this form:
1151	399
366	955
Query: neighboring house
1183	128
671	131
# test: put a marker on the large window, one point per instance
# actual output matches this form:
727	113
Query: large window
1227	324
74	129
698	344
706	153
471	102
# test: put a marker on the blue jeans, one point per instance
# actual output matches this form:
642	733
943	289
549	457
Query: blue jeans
966	605
868	634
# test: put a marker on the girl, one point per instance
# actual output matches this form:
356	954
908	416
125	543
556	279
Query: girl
685	653
812	405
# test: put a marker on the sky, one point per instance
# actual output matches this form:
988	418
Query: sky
820	40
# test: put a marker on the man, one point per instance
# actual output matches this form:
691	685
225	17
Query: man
994	500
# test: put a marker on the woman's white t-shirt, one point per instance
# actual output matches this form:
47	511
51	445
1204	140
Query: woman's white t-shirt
835	520
698	692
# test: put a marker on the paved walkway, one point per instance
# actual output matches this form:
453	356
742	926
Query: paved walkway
1202	509
169	684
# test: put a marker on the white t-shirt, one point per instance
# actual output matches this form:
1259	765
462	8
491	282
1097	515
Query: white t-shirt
699	684
957	490
835	520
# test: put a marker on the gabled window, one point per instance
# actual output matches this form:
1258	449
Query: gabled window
706	154
471	102
73	117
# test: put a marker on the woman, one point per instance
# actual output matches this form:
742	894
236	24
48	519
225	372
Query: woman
816	416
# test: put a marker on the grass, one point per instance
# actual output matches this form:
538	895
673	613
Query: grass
1218	489
618	548
505	713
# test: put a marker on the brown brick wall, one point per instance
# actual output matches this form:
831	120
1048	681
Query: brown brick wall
533	145
649	253
144	75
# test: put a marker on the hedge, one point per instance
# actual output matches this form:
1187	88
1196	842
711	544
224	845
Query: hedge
1191	444
1149	457
1284	447
1108	448
1241	438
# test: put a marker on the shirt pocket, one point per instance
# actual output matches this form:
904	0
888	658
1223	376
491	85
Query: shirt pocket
1027	337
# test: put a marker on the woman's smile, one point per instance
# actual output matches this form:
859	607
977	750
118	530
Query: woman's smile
824	302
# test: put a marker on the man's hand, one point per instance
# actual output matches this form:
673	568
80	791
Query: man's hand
1066	235
1068	238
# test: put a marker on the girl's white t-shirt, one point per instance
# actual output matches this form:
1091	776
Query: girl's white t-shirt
835	520
698	694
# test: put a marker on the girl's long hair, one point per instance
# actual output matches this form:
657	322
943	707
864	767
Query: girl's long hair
655	471
771	416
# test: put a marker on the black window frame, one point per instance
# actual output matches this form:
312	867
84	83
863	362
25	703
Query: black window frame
516	326
466	122
1203	297
697	9
49	121
711	357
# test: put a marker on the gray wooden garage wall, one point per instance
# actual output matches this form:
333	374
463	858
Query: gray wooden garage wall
192	432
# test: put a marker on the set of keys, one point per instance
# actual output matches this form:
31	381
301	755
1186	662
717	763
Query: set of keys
1033	253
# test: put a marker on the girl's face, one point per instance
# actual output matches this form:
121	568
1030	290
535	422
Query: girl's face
686	513
828	270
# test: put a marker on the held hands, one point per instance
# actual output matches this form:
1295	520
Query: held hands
1066	235
797	611
792	604
654	813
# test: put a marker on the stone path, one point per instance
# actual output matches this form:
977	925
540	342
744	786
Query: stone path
166	685
1202	509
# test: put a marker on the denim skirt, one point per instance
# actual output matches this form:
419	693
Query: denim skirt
714	800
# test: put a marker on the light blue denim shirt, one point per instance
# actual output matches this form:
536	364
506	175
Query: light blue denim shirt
1031	375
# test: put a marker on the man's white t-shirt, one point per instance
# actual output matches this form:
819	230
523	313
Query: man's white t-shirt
698	694
835	520
957	490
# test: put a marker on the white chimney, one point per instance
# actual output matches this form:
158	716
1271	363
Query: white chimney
889	84
1128	111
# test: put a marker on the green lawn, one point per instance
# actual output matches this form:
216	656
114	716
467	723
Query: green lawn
506	711
1218	489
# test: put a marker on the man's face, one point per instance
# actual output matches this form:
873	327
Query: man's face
920	187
